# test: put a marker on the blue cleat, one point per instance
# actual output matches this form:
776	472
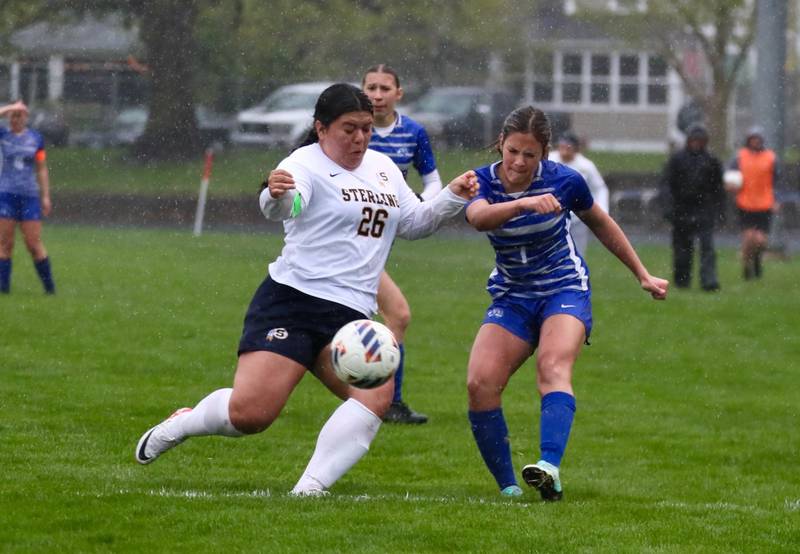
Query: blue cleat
543	476
511	491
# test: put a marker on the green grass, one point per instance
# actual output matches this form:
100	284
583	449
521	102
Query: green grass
685	440
238	172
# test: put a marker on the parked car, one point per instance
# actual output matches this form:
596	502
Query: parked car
128	125
281	119
463	116
51	124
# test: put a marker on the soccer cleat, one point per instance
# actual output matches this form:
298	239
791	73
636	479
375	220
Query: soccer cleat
511	491
399	412
543	476
158	439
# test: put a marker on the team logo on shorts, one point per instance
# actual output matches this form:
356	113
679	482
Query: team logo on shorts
495	312
278	333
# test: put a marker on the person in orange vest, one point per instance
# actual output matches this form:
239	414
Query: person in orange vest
755	197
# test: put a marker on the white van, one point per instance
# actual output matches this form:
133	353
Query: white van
281	119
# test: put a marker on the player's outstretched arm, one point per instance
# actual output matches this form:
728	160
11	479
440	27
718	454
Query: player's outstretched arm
465	185
484	216
278	195
614	239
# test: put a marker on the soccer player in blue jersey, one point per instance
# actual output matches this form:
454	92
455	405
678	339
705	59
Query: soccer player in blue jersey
541	297
406	143
24	194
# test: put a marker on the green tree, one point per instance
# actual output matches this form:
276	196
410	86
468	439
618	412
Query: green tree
721	32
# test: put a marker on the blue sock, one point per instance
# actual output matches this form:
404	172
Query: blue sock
398	376
5	275
491	433
558	410
43	269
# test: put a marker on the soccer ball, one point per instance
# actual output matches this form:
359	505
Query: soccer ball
732	179
365	354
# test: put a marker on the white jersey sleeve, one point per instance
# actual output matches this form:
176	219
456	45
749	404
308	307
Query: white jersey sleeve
420	219
594	179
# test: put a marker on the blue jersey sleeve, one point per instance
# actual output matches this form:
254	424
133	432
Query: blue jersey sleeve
484	186
578	196
424	162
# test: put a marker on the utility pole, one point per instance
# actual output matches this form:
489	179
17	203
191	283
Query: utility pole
769	89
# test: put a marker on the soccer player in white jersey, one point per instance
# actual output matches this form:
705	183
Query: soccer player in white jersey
541	298
569	153
342	206
24	194
406	143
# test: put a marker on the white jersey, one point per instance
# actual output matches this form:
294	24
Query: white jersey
337	245
587	169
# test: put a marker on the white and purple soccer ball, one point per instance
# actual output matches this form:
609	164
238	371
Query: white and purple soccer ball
365	354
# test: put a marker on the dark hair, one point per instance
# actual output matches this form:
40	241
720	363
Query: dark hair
570	139
526	120
382	68
335	101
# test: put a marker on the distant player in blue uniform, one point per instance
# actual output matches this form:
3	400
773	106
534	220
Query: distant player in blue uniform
24	194
541	297
406	143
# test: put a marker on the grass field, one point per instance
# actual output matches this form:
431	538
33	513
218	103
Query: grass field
686	437
239	171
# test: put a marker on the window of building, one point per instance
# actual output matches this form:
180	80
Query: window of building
543	76
601	79
600	87
572	75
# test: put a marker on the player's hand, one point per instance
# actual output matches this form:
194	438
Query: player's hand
540	204
47	206
279	181
465	185
656	286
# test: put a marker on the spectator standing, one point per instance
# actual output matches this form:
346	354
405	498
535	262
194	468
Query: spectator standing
694	204
755	199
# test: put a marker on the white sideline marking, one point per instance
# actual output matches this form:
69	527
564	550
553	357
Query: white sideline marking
711	506
792	505
259	493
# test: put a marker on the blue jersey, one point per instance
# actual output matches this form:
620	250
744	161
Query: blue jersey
534	254
408	144
19	151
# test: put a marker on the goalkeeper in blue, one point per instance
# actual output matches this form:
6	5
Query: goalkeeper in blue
540	291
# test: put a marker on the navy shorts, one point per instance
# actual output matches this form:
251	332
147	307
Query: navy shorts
524	317
755	220
283	320
20	207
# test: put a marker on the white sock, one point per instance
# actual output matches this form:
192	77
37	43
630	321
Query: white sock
343	440
209	417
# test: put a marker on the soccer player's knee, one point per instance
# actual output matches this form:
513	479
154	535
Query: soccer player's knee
551	368
481	388
6	244
398	318
249	419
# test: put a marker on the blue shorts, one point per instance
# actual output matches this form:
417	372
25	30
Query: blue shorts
524	316
283	320
20	207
